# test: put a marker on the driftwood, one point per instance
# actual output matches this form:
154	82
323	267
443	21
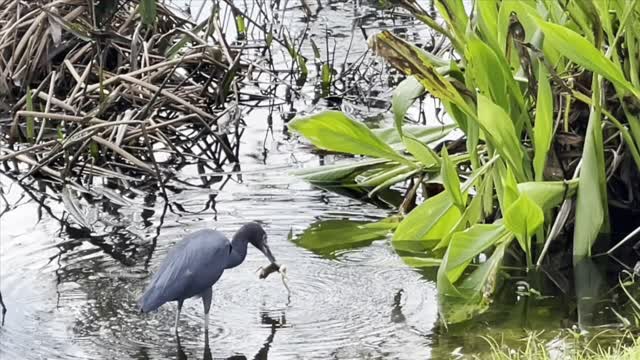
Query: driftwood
89	89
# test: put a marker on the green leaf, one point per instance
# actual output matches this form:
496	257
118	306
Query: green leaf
592	197
424	134
327	237
404	95
430	221
147	9
421	152
548	194
510	190
523	218
420	262
336	173
383	175
488	72
543	128
499	129
452	181
475	293
582	52
466	245
333	130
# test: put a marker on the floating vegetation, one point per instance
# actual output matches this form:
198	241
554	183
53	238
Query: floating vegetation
543	98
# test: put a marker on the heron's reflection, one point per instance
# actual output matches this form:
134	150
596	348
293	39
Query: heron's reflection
262	354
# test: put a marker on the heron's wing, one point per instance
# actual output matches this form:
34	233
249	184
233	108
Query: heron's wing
192	266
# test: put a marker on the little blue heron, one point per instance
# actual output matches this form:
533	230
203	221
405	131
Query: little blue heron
195	264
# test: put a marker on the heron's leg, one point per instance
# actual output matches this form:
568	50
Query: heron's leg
206	301
178	314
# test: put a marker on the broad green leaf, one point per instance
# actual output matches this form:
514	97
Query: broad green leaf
474	295
466	245
424	134
328	237
451	180
498	128
393	180
543	128
523	218
472	214
487	13
488	72
147	9
383	175
429	221
411	60
333	130
592	197
420	262
455	15
548	194
336	173
420	151
404	95
510	188
582	52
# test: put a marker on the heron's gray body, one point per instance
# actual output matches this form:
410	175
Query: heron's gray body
194	264
190	269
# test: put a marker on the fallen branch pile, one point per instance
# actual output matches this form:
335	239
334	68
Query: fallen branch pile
89	90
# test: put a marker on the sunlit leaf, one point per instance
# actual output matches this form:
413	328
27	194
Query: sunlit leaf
451	180
420	151
498	128
523	218
543	128
548	194
336	173
475	293
465	245
424	134
429	221
592	197
420	262
333	130
582	52
404	95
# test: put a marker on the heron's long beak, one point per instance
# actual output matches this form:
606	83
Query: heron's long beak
267	252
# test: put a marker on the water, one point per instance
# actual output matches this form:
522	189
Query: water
71	294
76	300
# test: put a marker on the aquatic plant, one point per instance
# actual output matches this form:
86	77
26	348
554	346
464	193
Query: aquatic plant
546	95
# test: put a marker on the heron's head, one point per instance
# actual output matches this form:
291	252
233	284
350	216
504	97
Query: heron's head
256	236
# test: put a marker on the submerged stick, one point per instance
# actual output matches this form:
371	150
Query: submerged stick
4	308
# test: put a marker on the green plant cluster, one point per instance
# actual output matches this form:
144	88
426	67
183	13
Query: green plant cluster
523	75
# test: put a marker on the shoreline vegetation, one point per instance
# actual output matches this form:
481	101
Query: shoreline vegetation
542	180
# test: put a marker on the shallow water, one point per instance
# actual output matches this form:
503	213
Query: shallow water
72	294
78	300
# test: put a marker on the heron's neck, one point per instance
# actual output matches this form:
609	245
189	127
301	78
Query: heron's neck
238	252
